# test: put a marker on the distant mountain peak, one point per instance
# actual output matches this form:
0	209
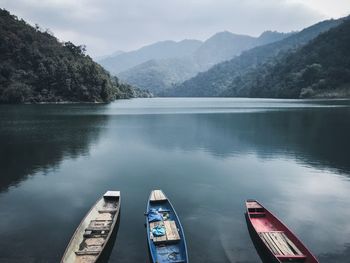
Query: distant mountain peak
159	50
225	32
228	35
187	40
170	43
270	36
271	33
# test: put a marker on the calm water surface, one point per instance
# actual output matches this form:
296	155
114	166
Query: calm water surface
208	155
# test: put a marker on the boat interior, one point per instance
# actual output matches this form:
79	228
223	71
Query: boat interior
166	246
272	235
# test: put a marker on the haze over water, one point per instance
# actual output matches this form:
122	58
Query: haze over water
208	155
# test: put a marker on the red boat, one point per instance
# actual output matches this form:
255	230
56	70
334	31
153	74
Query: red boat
273	240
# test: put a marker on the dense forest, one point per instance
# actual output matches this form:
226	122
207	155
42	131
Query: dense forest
35	67
319	69
263	71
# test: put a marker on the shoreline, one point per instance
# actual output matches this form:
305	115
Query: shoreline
253	98
62	102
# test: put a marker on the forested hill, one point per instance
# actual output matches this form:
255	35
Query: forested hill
320	69
36	67
230	78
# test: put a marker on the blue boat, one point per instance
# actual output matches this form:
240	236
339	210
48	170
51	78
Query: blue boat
166	239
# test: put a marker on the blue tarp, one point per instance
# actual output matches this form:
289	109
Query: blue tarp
158	231
153	215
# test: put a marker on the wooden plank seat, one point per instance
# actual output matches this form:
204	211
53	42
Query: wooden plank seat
171	232
91	246
95	234
254	206
85	252
257	214
99	241
281	245
89	250
157	195
98	228
108	210
104	216
99	225
85	259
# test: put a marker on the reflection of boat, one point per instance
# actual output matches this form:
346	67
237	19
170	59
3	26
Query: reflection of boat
274	241
93	233
166	239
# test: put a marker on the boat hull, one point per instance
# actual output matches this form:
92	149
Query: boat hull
166	251
273	240
90	241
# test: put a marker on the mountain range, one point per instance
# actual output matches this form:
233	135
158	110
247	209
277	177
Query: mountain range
160	50
163	64
275	69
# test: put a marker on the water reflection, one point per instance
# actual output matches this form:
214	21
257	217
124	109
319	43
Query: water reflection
37	138
342	255
313	137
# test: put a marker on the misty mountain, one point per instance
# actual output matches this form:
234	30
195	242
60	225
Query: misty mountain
320	69
158	75
220	47
218	80
159	50
115	53
226	45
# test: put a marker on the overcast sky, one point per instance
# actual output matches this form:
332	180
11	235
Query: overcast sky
109	25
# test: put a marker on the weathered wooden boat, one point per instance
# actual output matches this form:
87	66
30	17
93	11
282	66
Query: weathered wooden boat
274	241
161	217
94	231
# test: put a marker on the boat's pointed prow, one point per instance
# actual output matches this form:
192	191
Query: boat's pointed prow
254	208
157	195
112	195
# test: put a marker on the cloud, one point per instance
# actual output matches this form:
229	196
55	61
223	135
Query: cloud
335	8
109	25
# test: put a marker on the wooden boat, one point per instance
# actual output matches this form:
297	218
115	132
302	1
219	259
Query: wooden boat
276	242
170	247
94	231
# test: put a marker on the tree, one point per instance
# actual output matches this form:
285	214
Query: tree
76	50
311	73
16	93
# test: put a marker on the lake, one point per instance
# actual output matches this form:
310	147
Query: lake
208	155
